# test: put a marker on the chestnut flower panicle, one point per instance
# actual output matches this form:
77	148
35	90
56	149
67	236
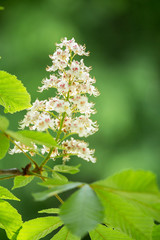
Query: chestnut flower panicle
69	111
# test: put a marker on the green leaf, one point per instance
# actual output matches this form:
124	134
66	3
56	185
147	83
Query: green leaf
1	8
41	196
50	211
125	215
21	181
13	95
52	182
134	181
106	233
131	200
138	187
58	179
156	232
27	137
6	194
67	169
10	219
45	174
14	237
4	145
64	234
4	123
82	211
38	228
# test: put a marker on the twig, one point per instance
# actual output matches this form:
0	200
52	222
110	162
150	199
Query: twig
11	171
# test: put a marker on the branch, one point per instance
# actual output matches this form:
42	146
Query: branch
11	171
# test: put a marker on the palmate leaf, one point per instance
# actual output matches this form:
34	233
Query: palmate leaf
139	187
38	228
82	211
13	95
106	233
41	196
27	137
4	145
132	181
6	194
64	234
131	200
21	181
122	214
10	219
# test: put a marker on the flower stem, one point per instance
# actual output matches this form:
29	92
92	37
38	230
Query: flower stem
69	134
47	158
59	198
60	128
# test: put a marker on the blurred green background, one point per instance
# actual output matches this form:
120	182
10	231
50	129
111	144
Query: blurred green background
123	37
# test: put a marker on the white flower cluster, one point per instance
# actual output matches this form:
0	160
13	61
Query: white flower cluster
18	146
69	111
79	148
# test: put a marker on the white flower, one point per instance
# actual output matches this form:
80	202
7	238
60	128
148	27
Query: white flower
44	122
58	105
79	148
84	126
49	83
61	55
54	153
16	149
63	87
73	46
81	104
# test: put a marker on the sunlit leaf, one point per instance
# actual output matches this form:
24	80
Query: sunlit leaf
128	198
38	228
52	182
13	95
4	123
82	211
67	169
156	232
58	179
14	237
138	187
4	145
106	233
6	194
41	196
50	211
64	234
21	181
125	181
10	219
27	137
123	214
